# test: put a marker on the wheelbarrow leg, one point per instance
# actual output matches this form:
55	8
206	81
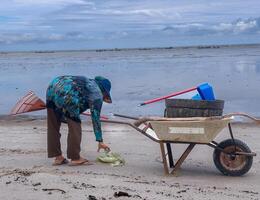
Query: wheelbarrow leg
183	157
165	165
169	151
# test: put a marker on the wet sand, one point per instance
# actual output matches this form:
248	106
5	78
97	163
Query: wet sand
27	173
139	75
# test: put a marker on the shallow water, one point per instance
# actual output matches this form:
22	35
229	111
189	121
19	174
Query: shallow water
138	75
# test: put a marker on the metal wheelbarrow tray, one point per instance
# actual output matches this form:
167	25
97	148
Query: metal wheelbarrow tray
232	156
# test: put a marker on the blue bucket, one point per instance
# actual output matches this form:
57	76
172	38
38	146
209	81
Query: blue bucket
206	92
196	97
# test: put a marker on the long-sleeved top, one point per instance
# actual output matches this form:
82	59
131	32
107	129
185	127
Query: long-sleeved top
69	96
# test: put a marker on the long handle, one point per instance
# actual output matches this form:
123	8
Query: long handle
133	126
125	116
256	120
168	96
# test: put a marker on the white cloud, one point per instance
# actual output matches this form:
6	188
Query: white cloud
29	37
47	2
242	26
44	35
145	12
71	20
237	27
223	27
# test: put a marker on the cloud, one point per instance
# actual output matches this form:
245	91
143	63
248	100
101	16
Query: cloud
239	26
46	2
129	13
48	21
29	37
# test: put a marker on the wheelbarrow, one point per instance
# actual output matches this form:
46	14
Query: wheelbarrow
232	157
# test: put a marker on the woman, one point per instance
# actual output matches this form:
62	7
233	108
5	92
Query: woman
67	97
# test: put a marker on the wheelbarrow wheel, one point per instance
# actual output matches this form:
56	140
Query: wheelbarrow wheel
232	165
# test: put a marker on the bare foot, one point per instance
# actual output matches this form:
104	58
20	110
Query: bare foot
60	160
80	161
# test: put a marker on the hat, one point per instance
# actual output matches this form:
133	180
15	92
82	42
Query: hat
104	85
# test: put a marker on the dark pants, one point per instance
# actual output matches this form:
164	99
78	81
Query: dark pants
53	136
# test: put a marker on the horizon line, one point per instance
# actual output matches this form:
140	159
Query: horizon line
210	46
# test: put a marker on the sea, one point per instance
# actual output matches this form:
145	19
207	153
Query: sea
138	75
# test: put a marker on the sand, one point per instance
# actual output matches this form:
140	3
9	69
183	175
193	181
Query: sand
27	173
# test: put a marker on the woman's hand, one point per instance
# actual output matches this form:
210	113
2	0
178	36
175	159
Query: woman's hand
102	145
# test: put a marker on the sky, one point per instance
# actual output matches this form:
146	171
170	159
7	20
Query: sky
27	25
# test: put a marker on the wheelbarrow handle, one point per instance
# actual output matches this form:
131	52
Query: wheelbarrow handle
243	115
133	125
125	116
116	122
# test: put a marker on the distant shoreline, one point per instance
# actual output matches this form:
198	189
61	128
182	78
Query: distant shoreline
134	49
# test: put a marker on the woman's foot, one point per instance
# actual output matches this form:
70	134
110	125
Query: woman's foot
80	161
60	160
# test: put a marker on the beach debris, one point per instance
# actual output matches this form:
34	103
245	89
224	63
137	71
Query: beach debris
88	185
181	191
249	192
24	172
53	189
121	194
36	184
91	197
19	172
81	186
113	158
21	179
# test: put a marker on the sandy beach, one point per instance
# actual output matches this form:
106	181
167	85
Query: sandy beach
73	55
27	173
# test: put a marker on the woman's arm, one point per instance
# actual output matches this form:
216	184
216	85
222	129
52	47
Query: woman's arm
95	109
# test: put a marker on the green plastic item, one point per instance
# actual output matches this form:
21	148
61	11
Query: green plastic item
112	158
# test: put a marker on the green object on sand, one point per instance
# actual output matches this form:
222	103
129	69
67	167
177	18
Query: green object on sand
113	158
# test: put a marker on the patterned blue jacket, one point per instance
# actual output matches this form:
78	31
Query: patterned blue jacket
69	96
